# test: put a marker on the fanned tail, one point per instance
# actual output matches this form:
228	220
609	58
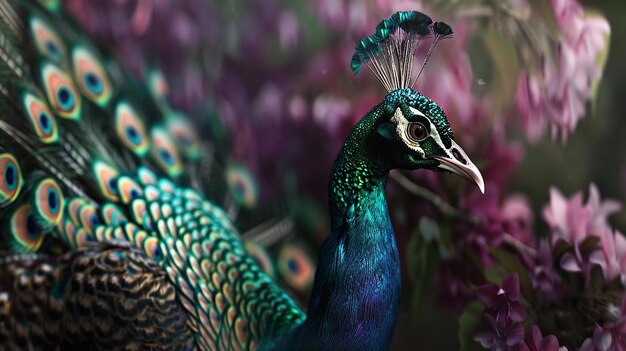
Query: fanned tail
71	115
90	158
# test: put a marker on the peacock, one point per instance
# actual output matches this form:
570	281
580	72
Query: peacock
112	233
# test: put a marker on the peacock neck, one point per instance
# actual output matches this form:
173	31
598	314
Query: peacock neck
357	283
357	174
359	170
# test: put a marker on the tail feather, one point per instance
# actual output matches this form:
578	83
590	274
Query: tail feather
94	117
89	156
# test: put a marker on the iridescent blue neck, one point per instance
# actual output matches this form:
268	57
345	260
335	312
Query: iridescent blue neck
357	284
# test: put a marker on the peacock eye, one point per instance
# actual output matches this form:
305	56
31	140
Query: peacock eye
417	131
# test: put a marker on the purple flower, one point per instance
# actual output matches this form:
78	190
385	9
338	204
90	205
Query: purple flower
535	341
610	337
543	275
452	282
494	335
503	301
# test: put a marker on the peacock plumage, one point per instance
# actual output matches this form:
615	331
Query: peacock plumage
112	236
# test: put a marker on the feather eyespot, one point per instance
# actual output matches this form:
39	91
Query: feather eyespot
152	247
89	218
112	214
106	178
185	137
243	187
130	129
166	156
128	189
146	176
158	85
11	181
48	201
61	92
296	267
73	208
164	152
261	257
47	41
91	76
41	118
25	230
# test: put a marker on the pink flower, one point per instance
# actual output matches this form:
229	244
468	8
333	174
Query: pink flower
600	210
572	220
567	218
611	255
557	95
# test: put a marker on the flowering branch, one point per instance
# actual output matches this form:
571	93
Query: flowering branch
443	207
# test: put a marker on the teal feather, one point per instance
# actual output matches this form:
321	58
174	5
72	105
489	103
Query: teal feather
415	22
441	28
355	63
413	25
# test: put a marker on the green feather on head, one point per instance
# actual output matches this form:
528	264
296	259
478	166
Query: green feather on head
389	52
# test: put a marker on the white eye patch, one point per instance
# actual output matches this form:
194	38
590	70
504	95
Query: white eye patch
402	129
434	133
417	112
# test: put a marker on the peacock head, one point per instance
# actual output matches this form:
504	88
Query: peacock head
410	129
414	133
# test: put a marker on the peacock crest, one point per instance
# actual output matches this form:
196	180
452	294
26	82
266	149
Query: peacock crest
389	53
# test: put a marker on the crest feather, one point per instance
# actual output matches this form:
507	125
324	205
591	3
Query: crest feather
390	51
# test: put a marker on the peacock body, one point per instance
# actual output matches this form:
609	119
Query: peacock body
109	238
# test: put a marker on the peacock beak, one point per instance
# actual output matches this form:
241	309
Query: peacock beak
457	162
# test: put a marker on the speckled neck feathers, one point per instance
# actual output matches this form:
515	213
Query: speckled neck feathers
357	170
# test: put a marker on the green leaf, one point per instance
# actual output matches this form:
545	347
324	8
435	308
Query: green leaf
542	10
590	244
596	278
468	321
495	274
422	260
560	247
513	265
476	261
